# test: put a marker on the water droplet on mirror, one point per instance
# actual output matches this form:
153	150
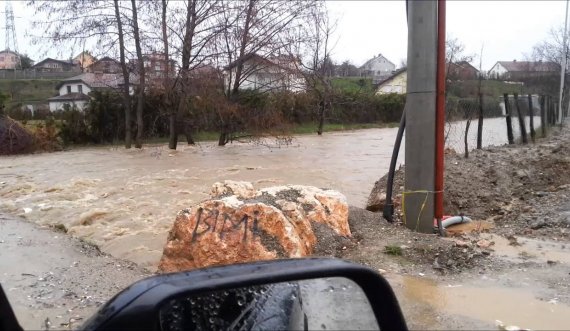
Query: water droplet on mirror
240	302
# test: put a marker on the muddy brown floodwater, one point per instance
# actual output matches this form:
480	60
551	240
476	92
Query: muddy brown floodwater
125	201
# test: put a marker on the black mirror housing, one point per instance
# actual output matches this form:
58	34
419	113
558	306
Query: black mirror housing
136	308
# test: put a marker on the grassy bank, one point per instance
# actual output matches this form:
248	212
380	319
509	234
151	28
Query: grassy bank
28	91
309	128
303	129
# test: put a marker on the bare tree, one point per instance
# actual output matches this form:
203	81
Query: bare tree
347	69
126	86
454	53
141	74
480	95
70	24
552	48
314	66
256	33
543	60
199	28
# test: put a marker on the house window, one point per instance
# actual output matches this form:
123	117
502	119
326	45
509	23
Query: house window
68	89
1	58
80	88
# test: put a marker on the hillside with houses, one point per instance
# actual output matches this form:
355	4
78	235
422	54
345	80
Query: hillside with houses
153	88
84	73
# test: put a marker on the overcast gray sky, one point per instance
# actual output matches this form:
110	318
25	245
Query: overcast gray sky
506	28
365	28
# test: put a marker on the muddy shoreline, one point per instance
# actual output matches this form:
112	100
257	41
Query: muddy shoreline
54	281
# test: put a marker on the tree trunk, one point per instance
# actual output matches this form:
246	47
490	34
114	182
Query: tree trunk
173	139
140	96
173	136
188	132
244	41
190	27
321	117
223	137
125	90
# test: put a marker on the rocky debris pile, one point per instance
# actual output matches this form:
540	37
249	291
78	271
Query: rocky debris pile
501	184
241	224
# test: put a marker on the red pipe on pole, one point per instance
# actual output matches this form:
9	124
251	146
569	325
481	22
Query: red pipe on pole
440	114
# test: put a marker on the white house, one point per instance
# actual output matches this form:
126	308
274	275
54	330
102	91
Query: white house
74	91
515	70
498	70
266	74
379	67
395	83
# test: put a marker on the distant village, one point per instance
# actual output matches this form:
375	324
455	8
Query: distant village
85	73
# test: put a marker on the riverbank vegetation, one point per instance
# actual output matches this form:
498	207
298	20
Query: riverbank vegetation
280	113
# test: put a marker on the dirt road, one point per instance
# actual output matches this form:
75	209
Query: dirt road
54	281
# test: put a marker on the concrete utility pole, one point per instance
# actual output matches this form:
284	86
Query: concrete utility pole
420	116
563	67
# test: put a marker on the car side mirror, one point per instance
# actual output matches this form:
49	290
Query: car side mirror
8	320
294	294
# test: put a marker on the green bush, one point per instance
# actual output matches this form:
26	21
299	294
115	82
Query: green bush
74	127
250	112
351	107
101	122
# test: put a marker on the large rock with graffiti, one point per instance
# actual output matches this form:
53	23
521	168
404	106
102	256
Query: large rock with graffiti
241	224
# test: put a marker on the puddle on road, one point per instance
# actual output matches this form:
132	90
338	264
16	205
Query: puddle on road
471	227
424	300
528	249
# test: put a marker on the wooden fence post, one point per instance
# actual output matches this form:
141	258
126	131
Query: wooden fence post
480	124
522	124
508	118
531	113
543	115
548	111
552	111
556	111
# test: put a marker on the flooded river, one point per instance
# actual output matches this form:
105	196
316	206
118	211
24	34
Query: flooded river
125	200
